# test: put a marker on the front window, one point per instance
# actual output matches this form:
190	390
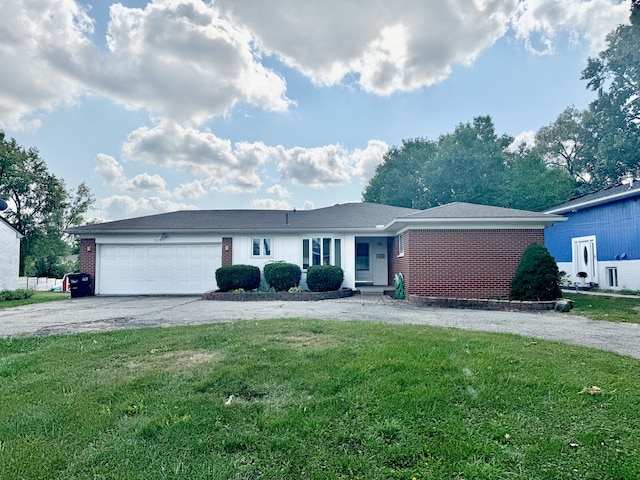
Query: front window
261	247
318	251
612	276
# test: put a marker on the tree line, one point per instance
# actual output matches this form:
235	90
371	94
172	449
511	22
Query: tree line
580	152
41	208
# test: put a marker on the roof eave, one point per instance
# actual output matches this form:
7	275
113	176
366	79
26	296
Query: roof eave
594	202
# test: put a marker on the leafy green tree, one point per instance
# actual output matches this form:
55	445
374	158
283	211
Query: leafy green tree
468	166
531	184
613	119
40	207
563	144
398	179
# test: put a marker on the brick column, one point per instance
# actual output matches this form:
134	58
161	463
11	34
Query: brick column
87	257
227	251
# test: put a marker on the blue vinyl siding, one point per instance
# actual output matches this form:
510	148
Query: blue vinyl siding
616	226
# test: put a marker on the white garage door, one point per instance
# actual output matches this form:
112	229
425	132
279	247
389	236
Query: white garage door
157	269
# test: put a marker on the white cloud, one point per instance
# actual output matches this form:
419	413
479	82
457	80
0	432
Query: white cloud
279	191
191	190
528	137
270	204
40	44
217	163
109	169
540	21
124	206
308	205
403	46
365	161
319	167
179	59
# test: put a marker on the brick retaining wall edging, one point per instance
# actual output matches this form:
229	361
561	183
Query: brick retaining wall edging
481	303
272	296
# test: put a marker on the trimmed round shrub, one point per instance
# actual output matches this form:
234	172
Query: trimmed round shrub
234	277
537	276
324	278
282	276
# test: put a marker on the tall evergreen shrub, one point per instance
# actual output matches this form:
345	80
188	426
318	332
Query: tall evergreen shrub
537	276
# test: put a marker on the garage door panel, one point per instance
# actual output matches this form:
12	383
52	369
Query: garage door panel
157	269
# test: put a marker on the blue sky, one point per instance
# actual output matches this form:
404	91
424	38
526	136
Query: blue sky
181	104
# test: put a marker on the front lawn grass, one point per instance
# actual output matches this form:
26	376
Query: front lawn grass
600	307
37	297
298	399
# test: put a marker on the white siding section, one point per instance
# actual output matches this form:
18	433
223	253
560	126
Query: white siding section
140	269
288	248
9	257
628	274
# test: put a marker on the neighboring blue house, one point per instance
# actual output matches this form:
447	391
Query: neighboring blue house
600	242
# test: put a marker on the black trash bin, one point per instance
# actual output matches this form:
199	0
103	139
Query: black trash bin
78	284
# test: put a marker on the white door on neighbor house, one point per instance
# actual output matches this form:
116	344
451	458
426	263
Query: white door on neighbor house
585	258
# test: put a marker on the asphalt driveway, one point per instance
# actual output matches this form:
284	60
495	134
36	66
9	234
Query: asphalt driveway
96	314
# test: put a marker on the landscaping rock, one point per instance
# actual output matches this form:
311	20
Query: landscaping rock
563	305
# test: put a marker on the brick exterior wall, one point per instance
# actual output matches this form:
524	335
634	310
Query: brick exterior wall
87	257
227	251
462	263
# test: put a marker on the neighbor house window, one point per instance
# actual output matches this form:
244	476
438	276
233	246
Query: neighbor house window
317	251
401	245
612	276
261	247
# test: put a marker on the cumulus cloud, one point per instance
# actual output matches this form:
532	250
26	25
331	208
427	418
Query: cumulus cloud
173	58
319	167
191	190
538	22
270	204
191	60
528	138
123	206
216	162
235	168
39	39
365	161
112	173
279	191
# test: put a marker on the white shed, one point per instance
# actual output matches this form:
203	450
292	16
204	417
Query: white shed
9	255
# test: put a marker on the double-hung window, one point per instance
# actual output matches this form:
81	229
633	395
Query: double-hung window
261	247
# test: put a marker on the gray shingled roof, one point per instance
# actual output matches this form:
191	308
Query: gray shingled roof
473	211
349	216
604	195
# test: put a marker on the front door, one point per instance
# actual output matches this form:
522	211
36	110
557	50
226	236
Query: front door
585	259
372	264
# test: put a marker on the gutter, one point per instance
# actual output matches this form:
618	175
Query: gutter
595	202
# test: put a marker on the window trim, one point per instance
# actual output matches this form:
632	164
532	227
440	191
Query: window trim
320	254
401	245
266	249
612	276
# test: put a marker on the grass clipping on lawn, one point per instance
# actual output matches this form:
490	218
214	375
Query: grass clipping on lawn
314	399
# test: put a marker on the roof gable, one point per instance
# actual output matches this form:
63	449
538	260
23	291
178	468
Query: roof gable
3	221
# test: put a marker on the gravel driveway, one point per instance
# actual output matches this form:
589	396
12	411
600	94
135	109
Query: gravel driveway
96	314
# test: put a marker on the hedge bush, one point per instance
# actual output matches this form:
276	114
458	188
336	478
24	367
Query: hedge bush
20	294
324	278
282	276
234	277
537	276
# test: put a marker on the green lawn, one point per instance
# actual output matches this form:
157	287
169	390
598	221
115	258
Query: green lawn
298	399
37	297
598	307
